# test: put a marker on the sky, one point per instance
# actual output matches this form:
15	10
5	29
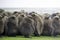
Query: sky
49	6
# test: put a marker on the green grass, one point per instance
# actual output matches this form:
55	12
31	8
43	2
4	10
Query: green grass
33	38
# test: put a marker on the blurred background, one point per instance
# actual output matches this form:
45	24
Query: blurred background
39	6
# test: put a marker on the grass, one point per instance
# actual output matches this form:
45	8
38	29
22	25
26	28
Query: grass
33	38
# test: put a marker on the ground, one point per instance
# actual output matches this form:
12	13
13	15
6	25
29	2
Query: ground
32	38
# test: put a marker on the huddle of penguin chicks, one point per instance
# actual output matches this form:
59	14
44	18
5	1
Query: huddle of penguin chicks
28	24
